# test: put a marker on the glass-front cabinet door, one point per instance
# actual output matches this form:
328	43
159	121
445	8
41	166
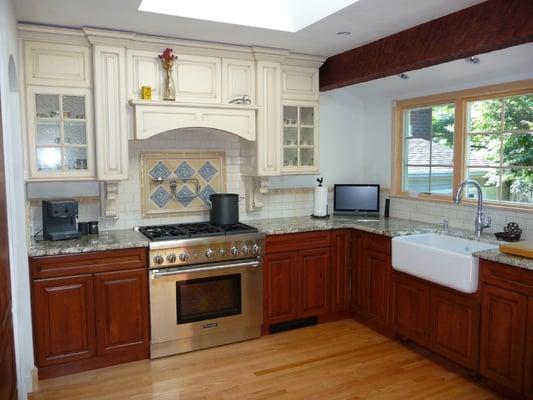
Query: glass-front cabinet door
60	134
300	137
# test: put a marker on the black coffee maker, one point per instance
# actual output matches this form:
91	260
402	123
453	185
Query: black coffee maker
60	219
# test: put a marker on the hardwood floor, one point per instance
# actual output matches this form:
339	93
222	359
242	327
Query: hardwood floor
337	360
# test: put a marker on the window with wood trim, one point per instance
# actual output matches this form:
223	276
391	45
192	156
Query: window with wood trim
483	134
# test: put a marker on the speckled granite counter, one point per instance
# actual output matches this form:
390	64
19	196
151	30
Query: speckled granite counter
497	256
112	240
389	227
128	238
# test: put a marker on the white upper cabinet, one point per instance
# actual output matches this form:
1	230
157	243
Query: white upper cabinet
144	69
299	83
198	79
238	80
52	64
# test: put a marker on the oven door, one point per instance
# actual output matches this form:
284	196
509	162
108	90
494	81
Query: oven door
205	299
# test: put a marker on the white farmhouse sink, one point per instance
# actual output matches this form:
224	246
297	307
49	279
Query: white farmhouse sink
442	259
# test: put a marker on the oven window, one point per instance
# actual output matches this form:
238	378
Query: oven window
208	298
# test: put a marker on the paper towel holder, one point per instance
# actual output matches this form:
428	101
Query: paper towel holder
323	216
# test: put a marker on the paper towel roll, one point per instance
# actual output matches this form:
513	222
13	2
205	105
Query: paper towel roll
320	201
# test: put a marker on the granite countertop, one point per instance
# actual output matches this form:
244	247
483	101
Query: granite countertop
385	226
129	238
109	240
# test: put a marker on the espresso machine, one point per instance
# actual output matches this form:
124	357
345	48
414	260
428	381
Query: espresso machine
60	219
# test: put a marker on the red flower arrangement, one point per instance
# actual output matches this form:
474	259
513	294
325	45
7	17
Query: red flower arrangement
167	58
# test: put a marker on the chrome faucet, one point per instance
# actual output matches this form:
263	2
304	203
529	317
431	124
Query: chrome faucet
481	222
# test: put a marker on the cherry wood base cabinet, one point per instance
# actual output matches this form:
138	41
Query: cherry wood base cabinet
443	320
305	275
89	310
507	327
371	270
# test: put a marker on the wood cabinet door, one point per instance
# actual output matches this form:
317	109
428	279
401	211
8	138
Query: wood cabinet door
63	318
455	327
528	366
314	281
8	378
503	327
280	285
121	300
377	270
359	280
340	270
410	308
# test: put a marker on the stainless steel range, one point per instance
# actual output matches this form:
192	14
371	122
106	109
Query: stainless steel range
205	285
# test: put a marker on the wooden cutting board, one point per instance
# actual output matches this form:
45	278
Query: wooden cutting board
522	249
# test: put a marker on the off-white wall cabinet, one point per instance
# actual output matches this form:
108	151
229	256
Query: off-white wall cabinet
69	72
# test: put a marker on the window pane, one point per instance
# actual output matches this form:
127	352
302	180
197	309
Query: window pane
442	150
306	136
518	113
306	156
442	180
417	151
48	133
75	132
518	149
290	115
47	105
488	179
443	119
418	123
484	150
74	107
290	156
307	116
290	136
485	116
517	185
416	179
48	158
75	158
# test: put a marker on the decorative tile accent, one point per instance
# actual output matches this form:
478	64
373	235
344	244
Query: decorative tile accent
204	194
184	170
161	197
185	196
160	171
190	178
208	171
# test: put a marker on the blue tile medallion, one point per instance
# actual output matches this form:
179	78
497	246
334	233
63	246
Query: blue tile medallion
208	171
204	194
184	170
161	197
185	196
160	171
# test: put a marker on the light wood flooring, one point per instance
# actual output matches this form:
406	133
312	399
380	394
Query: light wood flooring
337	360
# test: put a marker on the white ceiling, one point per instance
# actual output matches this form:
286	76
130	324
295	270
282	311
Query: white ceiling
513	63
368	20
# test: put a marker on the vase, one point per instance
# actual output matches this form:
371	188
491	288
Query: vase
169	89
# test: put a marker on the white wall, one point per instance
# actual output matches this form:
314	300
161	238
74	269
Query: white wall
377	98
15	196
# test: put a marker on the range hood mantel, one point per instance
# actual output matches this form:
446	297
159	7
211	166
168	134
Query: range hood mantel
154	117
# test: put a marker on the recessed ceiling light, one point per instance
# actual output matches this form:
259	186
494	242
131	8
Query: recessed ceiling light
344	33
472	60
281	15
403	76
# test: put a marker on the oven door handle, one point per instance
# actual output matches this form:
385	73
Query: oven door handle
156	273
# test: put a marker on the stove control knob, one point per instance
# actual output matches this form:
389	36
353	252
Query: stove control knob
255	249
183	256
234	251
159	259
209	253
171	258
222	252
244	249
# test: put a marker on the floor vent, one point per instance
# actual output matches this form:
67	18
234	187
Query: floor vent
295	324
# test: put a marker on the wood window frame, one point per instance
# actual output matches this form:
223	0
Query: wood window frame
460	98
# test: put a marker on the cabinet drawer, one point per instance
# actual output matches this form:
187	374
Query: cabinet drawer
506	276
297	241
377	243
99	261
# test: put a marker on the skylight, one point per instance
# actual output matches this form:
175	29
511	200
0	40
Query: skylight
281	15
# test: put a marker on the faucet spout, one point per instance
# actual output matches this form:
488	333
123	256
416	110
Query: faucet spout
481	221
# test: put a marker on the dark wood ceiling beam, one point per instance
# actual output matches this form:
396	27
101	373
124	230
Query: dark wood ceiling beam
488	26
